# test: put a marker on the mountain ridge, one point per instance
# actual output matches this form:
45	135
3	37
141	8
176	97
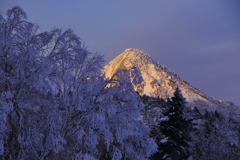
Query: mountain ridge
159	75
160	81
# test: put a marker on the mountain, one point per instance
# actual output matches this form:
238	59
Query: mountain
216	122
160	81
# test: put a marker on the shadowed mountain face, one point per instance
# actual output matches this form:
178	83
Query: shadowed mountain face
159	80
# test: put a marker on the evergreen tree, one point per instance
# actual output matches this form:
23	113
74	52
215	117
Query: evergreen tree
196	113
216	138
175	128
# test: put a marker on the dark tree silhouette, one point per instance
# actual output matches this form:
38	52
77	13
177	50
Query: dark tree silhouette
175	128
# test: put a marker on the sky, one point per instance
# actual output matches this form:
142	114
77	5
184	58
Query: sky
197	39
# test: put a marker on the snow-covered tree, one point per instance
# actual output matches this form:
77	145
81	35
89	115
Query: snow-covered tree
216	138
55	102
174	129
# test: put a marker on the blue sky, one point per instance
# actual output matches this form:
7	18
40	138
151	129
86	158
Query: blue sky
198	39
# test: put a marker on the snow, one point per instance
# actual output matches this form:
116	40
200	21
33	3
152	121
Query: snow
166	118
158	79
57	100
55	103
164	140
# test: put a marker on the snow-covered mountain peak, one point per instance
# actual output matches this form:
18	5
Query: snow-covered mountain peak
128	59
158	80
135	53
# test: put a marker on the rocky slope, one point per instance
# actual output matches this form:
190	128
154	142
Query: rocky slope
161	81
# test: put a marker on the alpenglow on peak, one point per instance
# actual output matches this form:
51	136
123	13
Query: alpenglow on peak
157	79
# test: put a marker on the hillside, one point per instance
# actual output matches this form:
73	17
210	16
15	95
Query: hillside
159	81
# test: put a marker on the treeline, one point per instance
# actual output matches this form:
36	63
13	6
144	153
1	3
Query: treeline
184	133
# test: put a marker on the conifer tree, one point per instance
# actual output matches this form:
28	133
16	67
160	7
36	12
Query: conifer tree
175	128
216	138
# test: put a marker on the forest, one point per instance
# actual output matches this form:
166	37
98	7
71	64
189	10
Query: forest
56	103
